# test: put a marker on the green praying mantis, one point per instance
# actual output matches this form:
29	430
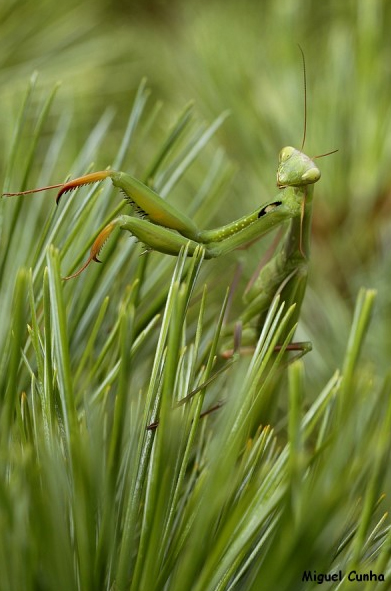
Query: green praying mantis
161	227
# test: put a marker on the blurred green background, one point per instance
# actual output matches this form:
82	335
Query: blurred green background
240	56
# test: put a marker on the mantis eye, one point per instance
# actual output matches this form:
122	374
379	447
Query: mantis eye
312	175
286	153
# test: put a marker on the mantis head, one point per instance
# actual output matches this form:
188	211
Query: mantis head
295	169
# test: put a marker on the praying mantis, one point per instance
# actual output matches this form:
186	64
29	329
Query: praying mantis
168	231
161	227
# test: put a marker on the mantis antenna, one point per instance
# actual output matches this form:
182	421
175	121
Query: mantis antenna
305	108
305	97
303	142
304	138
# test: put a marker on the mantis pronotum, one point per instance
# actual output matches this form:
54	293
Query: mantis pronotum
162	227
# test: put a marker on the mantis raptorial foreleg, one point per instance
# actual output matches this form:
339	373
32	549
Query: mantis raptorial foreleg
163	228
